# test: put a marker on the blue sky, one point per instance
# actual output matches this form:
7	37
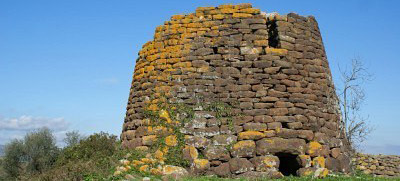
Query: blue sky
68	64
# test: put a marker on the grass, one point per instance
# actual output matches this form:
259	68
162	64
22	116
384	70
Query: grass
357	177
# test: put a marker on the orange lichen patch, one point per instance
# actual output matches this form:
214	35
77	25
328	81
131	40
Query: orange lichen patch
276	51
152	107
164	114
177	17
165	150
169	169
243	6
261	42
229	10
193	153
146	84
173	60
324	173
203	69
314	147
201	163
171	140
155	171
137	162
144	168
148	140
218	16
145	122
147	160
307	173
269	162
244	144
142	148
250	11
159	155
318	162
241	15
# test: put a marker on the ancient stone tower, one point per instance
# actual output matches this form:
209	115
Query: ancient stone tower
272	69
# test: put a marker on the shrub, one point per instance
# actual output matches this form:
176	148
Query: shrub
12	161
72	138
40	150
92	157
95	147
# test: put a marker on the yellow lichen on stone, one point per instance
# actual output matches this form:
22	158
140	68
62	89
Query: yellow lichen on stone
136	163
177	17
164	115
159	155
250	11
313	147
261	42
155	171
269	162
276	51
241	15
244	144
171	140
218	16
319	162
193	153
200	163
149	140
228	10
152	107
142	148
324	173
144	168
250	135
147	160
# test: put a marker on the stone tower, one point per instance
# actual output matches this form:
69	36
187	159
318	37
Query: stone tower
273	67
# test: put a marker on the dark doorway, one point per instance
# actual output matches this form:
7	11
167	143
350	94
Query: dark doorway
273	37
288	164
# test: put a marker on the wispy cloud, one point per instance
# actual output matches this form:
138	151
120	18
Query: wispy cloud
16	128
108	81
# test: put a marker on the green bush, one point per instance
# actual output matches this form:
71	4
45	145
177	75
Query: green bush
95	147
72	138
93	157
12	160
40	150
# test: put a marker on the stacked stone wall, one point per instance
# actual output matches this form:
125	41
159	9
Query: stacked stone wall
271	68
378	165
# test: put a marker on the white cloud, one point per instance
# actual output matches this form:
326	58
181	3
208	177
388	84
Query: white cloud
108	81
16	128
26	123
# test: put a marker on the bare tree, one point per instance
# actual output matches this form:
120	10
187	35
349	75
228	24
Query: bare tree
352	96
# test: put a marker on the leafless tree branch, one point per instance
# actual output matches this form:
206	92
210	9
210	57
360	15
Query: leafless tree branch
351	98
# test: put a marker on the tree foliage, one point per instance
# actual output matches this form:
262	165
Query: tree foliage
13	156
72	138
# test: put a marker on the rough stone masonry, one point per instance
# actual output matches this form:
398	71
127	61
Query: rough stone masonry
271	68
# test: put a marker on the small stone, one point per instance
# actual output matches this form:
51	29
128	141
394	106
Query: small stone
174	172
250	135
240	165
265	163
244	149
222	170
